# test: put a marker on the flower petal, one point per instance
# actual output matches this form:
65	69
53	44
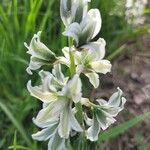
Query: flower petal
64	124
65	11
73	10
57	143
101	66
58	74
46	133
37	92
115	99
73	89
95	15
93	131
88	120
40	54
65	51
96	49
63	60
91	22
104	120
94	79
73	122
38	49
35	63
49	114
74	31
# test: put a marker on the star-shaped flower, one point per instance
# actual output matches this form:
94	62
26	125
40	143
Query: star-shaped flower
103	114
89	61
84	32
40	54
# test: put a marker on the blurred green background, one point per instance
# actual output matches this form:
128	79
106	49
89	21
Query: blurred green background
19	20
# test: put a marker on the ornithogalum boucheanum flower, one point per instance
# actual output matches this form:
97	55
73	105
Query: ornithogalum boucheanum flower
66	113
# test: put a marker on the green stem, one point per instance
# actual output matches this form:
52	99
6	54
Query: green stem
79	114
78	106
72	62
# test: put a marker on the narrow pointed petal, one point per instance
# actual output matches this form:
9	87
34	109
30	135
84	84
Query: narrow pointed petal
58	74
35	63
64	124
40	54
74	123
103	120
37	92
49	114
38	49
93	131
57	143
46	133
65	51
115	99
94	79
73	89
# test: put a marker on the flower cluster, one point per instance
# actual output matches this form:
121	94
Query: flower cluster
62	116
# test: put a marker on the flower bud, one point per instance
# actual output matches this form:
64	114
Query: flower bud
73	10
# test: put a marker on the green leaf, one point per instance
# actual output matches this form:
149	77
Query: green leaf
15	122
19	147
15	141
113	132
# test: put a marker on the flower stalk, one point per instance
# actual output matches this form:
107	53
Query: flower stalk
78	105
72	61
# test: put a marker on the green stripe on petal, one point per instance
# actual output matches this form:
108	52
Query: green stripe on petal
38	49
37	92
93	131
57	143
40	54
73	89
50	113
46	133
64	124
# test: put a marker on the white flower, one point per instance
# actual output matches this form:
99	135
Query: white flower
40	54
85	31
89	61
51	133
73	10
104	113
54	88
51	83
57	120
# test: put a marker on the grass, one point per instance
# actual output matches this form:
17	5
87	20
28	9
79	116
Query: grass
19	20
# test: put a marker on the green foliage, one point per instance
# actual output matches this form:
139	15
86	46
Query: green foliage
15	123
19	20
121	128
